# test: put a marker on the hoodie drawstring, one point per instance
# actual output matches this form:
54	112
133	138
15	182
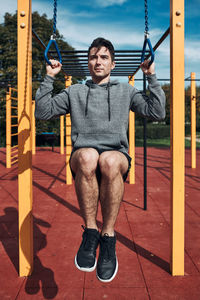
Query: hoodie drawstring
87	101
108	87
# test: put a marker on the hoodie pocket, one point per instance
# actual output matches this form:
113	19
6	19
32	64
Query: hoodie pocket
98	141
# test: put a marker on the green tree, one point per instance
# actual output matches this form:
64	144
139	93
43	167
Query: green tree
8	63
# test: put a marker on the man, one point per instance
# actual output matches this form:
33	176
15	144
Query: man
99	161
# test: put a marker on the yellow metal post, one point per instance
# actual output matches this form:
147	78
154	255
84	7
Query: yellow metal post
61	134
177	118
8	128
68	82
193	121
33	128
24	16
132	139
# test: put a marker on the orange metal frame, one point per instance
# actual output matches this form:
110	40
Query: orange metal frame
33	129
24	17
132	139
193	121
61	134
11	151
177	127
25	149
68	82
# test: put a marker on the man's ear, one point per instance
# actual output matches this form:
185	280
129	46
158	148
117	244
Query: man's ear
113	65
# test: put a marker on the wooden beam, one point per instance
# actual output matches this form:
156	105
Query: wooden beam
177	119
33	129
8	128
61	134
68	82
132	139
24	138
193	121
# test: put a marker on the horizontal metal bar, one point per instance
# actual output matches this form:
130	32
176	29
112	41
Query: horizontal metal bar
13	134
113	74
82	55
14	116
14	146
87	72
13	162
14	125
14	107
85	64
14	98
14	151
85	68
14	156
70	72
14	89
85	51
86	61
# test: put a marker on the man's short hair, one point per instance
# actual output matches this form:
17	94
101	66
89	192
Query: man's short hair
100	42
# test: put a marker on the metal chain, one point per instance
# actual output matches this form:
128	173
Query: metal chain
54	17
146	18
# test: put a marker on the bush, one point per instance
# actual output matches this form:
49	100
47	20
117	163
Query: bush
157	131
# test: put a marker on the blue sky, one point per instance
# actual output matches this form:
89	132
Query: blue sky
122	21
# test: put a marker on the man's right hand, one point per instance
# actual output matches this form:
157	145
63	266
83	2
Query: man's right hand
53	69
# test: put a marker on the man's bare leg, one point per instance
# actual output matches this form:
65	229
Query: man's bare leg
113	165
84	163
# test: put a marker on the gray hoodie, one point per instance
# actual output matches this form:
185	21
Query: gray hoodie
100	113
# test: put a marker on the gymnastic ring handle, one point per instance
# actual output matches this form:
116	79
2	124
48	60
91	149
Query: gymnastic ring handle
52	41
147	42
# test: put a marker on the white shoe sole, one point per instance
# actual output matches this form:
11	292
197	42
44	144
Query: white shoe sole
85	269
110	279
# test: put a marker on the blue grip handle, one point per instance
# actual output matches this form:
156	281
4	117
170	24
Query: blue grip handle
147	42
52	41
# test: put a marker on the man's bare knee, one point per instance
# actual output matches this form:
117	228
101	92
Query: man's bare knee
109	166
112	164
85	161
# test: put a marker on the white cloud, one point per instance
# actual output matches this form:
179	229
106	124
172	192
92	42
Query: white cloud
80	34
106	3
192	50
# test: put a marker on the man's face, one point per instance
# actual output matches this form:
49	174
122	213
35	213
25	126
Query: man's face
100	64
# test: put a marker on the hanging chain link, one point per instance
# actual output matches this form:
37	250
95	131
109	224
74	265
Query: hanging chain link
54	17
146	18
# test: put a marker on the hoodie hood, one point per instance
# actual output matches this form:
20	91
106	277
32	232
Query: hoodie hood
106	86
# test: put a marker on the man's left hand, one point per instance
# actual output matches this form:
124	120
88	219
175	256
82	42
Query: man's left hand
146	69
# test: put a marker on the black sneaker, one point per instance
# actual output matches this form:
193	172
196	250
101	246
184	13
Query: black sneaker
85	259
107	265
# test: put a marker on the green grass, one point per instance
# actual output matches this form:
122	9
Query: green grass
162	143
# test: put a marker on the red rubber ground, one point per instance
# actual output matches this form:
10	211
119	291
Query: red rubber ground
143	246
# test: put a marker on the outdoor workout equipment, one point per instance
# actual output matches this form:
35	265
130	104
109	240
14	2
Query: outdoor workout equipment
146	37
53	37
177	135
193	121
68	82
12	126
147	42
11	115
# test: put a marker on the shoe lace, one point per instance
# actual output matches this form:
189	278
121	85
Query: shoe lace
108	247
89	241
